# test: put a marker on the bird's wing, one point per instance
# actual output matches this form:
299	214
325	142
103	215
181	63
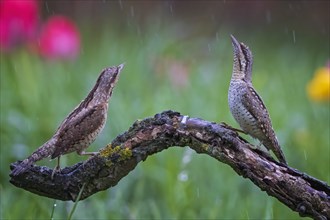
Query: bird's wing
258	110
71	116
78	127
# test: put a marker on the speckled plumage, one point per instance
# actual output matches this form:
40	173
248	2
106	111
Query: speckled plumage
246	105
81	127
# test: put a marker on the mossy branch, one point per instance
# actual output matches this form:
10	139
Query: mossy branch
300	192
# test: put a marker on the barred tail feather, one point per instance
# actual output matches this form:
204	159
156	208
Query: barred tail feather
42	152
280	155
22	167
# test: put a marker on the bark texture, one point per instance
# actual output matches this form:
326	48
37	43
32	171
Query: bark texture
298	191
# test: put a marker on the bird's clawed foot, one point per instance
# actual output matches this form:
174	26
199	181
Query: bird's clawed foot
57	169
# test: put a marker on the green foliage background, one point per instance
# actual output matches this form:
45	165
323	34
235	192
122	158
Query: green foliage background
177	183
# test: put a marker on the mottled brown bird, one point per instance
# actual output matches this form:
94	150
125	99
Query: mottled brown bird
81	127
246	105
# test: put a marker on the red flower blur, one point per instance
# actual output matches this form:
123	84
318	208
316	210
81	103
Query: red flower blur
59	39
18	22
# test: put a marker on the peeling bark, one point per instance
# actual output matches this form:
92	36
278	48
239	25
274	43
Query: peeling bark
299	191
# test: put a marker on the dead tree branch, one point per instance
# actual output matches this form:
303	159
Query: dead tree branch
300	192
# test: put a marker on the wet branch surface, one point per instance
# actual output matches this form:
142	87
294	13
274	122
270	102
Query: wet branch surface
300	192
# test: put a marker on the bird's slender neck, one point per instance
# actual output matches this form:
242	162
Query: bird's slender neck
103	89
243	60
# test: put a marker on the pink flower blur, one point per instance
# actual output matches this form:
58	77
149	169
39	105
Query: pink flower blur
18	22
59	39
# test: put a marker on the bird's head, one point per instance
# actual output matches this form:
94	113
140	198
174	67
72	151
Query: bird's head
104	85
243	60
108	78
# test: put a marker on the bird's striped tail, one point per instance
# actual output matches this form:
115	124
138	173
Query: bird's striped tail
42	152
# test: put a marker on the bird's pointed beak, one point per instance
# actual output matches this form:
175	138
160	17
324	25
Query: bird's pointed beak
120	67
233	40
117	73
236	45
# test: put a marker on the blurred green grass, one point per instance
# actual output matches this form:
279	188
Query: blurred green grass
36	95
